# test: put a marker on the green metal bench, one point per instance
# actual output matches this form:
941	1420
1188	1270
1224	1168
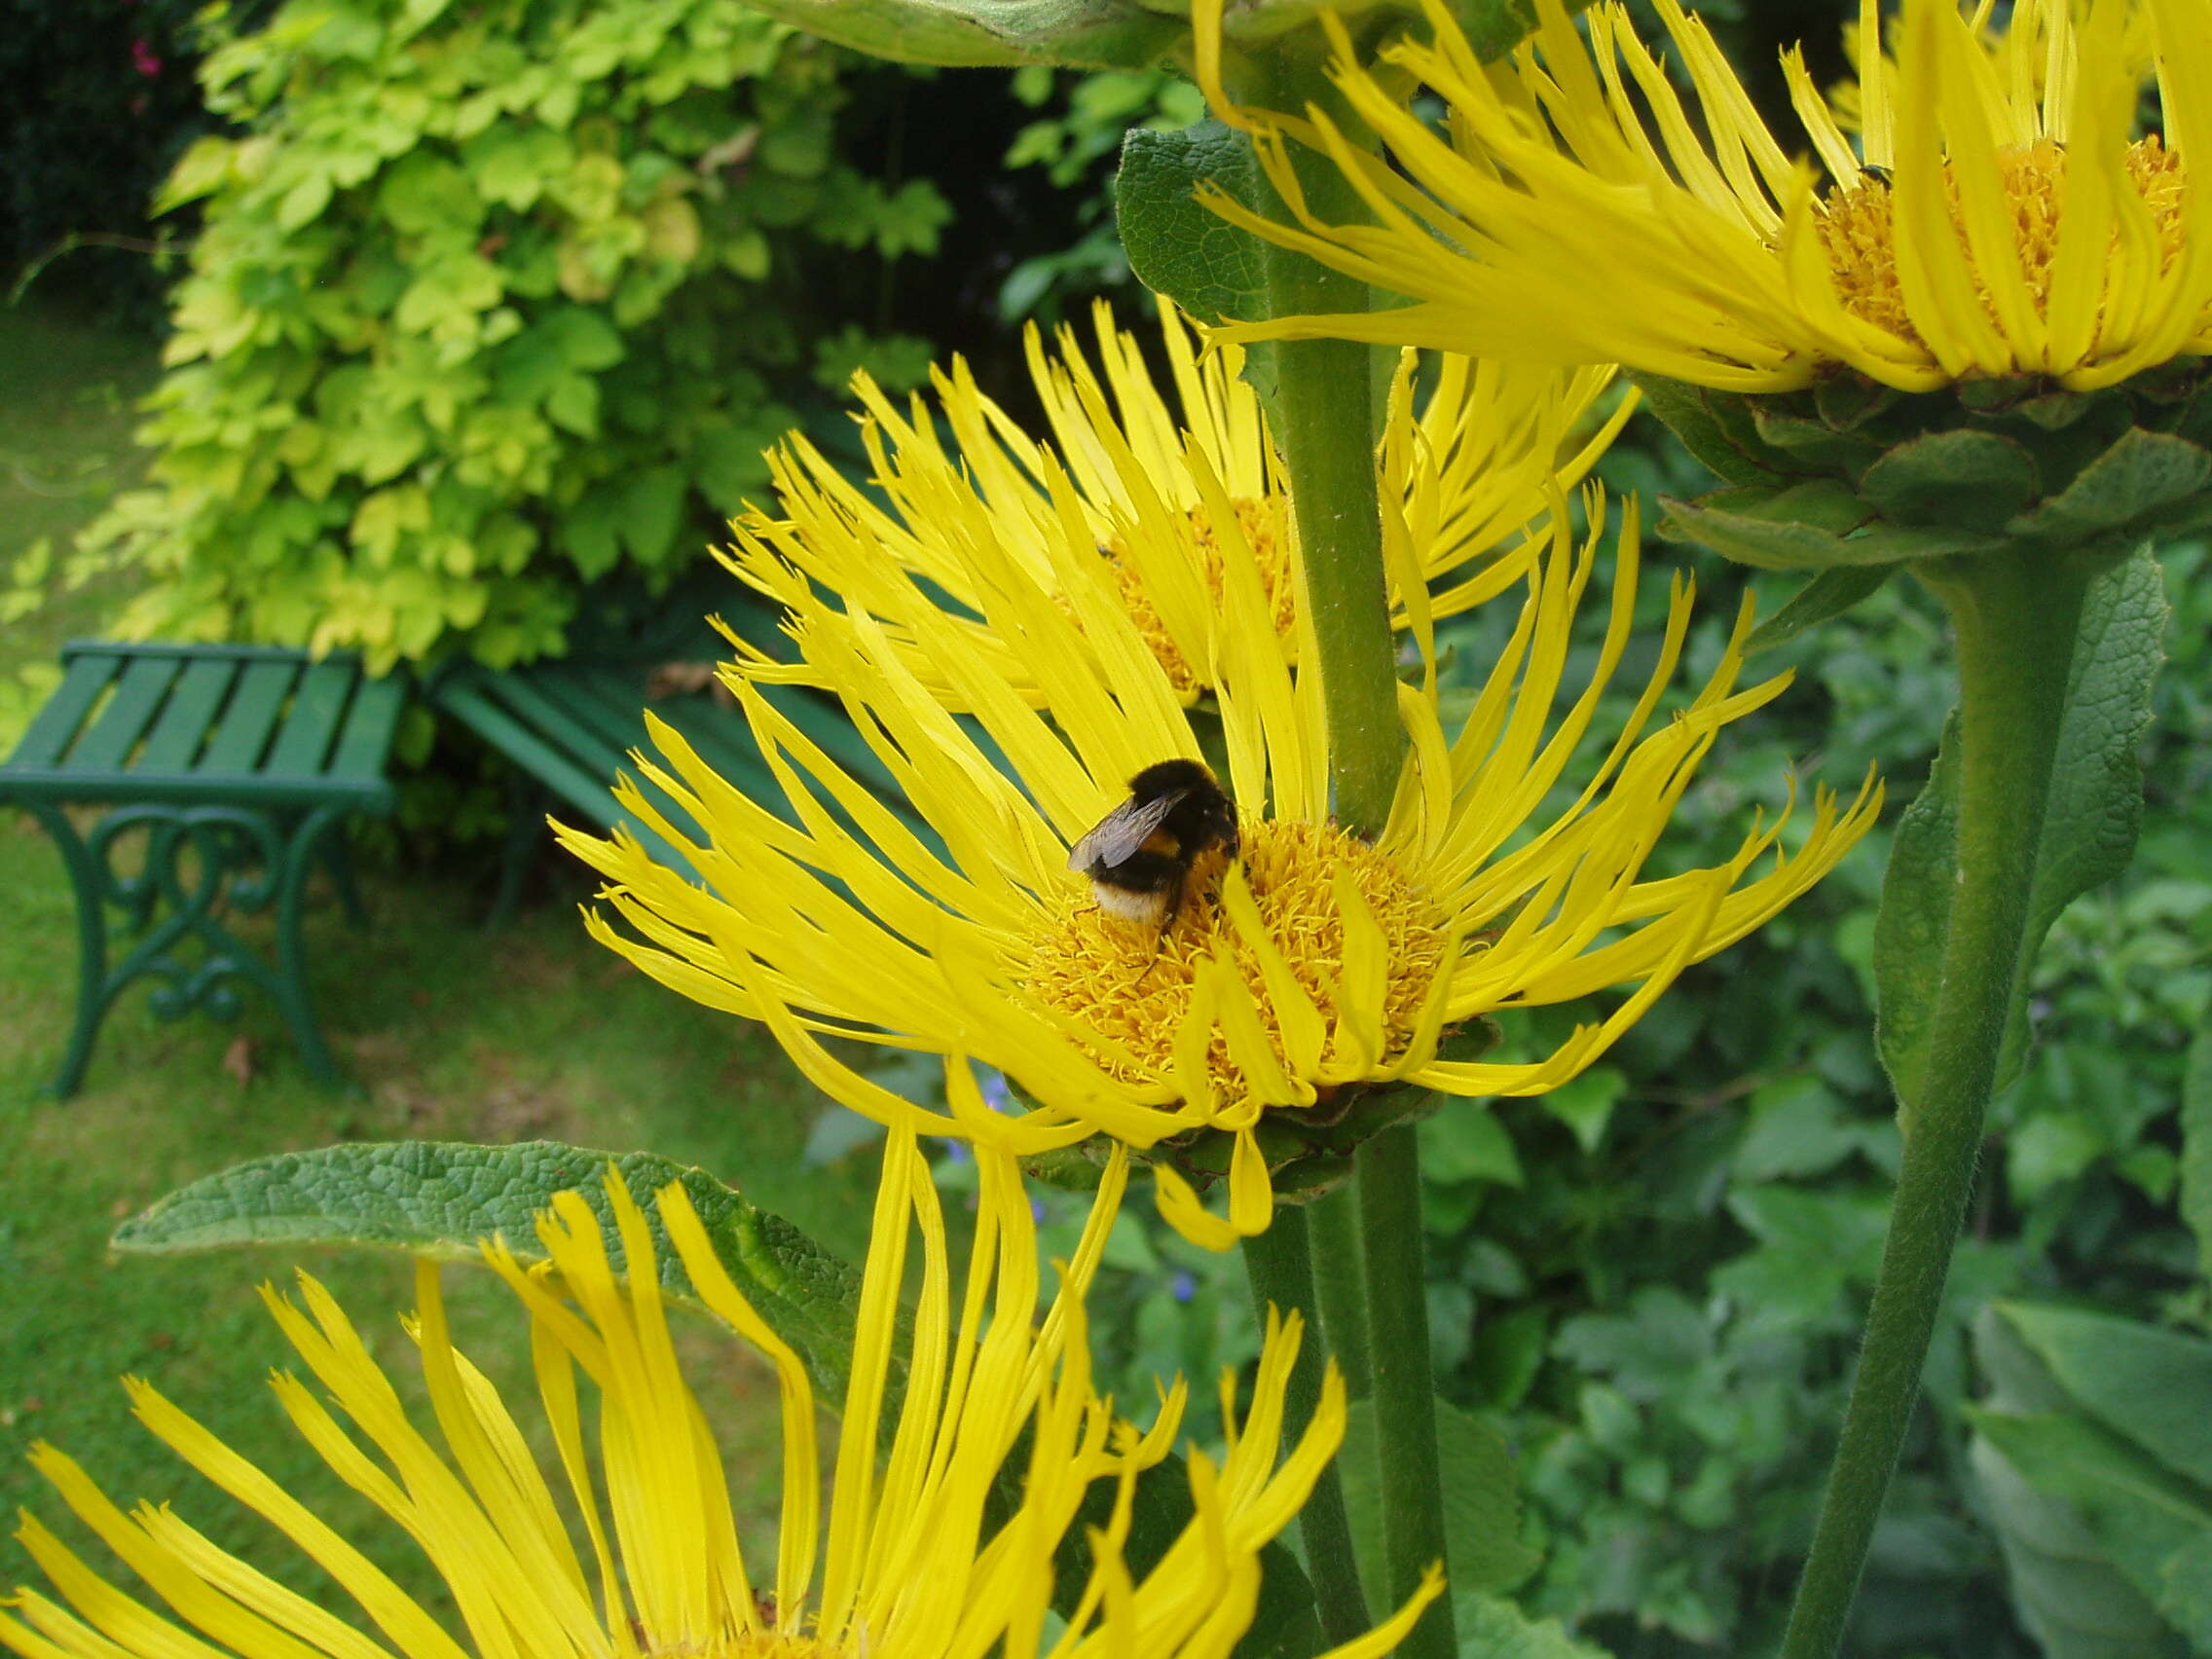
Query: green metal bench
569	727
241	763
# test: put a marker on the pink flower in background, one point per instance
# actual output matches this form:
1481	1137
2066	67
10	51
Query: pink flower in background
142	59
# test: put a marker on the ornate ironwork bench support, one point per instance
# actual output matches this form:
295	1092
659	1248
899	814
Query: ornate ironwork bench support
201	862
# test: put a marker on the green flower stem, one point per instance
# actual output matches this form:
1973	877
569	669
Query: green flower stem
1340	1277
2015	619
1280	1263
1326	421
1405	1388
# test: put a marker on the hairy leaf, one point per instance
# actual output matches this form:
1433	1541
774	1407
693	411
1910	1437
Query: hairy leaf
2089	825
1828	594
1490	1627
1178	248
1481	1502
439	1198
2073	1599
2197	1147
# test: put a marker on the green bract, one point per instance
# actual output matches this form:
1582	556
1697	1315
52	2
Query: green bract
1309	1151
490	304
1848	473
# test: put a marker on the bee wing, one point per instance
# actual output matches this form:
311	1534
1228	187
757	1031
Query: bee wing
1122	832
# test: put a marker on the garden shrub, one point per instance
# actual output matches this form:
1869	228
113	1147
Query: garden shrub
492	302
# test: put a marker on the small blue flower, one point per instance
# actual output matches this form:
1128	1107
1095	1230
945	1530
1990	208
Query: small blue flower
993	1086
1182	1287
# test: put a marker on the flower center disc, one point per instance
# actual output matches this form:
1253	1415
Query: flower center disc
1263	533
1133	986
1857	228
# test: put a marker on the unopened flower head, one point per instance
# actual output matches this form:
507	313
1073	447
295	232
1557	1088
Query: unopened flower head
913	1562
1310	962
1140	497
1999	216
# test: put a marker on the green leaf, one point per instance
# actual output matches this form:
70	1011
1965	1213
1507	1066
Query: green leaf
652	509
2096	787
1913	917
1490	1627
1209	267
2074	1602
439	1198
1467	1144
2068	1594
2197	1147
2048	1148
2141	475
1705	422
2155	1528
1809	526
423	195
1828	594
1482	1501
2151	1384
511	161
2089	825
1973	479
1586	1103
1100	34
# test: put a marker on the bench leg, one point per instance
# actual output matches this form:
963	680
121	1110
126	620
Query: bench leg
87	884
291	987
337	859
237	859
526	826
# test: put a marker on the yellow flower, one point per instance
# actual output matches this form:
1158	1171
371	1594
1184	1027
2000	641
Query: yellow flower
1313	961
1999	216
911	1565
1140	498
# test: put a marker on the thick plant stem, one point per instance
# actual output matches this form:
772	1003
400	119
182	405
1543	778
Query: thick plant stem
1324	417
1340	1275
1405	1389
1326	423
2015	620
1280	1263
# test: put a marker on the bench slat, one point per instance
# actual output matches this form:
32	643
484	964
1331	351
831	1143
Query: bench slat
51	729
527	701
600	729
586	790
369	723
592	795
117	728
183	727
532	698
239	741
607	705
318	707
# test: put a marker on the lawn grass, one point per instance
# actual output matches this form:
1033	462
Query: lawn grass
450	1032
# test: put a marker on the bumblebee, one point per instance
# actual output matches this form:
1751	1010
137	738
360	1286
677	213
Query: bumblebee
1140	856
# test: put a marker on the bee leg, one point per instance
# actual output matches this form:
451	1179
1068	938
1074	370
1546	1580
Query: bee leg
1160	939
